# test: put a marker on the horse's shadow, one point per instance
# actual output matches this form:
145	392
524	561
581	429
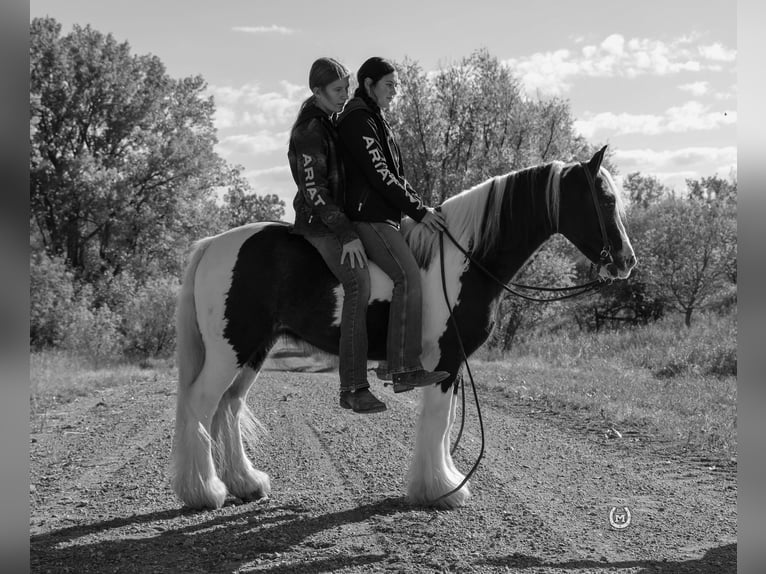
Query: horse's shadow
720	560
225	542
221	544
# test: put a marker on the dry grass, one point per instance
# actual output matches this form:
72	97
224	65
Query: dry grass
58	377
670	382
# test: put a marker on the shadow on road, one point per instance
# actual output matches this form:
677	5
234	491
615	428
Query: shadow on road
182	540
721	560
221	543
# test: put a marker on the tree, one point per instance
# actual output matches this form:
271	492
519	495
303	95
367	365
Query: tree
549	267
644	190
122	163
691	247
470	121
714	191
242	206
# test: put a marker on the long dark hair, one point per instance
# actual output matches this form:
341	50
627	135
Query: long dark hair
374	68
323	72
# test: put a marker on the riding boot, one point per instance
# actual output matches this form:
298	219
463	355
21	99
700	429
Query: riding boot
361	401
404	382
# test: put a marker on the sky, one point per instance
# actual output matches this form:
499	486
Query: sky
656	80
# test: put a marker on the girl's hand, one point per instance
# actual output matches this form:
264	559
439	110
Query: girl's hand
434	220
354	250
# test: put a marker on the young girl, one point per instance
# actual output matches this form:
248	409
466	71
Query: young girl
377	195
318	172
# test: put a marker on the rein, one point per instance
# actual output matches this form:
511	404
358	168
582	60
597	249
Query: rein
605	256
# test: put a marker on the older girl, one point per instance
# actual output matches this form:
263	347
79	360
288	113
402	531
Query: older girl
377	194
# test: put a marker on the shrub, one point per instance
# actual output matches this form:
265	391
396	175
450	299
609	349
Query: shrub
92	333
149	319
51	294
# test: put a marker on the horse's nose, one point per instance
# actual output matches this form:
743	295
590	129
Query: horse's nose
632	261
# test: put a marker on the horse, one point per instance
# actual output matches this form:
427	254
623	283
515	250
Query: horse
250	286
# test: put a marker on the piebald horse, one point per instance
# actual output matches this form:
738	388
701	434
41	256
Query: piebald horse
246	288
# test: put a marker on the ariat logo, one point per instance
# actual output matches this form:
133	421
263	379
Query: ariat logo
309	180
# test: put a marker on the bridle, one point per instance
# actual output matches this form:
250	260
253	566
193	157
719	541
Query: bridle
605	257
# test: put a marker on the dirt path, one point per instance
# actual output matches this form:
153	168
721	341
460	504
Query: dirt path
542	496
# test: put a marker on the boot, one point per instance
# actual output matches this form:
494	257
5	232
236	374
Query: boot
404	382
361	401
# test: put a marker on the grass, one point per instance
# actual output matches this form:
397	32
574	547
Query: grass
674	383
58	377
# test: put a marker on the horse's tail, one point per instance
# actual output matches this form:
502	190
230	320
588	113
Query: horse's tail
190	349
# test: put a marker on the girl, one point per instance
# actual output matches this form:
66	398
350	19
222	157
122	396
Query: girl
377	195
318	173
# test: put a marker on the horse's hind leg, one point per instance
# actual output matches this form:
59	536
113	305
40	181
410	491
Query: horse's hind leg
234	421
194	477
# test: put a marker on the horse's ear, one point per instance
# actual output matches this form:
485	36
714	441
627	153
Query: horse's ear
595	162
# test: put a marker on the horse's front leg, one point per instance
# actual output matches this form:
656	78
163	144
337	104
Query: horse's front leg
432	472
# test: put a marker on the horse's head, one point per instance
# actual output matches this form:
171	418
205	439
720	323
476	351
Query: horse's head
590	216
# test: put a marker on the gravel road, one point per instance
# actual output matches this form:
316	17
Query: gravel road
100	500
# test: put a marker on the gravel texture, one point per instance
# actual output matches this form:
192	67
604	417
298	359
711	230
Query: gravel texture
100	500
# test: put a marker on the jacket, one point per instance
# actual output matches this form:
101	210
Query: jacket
376	189
318	172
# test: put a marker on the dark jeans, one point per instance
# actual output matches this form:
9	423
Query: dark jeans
353	323
386	246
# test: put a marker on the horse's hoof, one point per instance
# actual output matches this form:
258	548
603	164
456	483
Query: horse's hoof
211	496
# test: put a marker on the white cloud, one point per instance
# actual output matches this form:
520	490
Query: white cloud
696	88
250	106
718	52
256	143
552	72
690	116
673	167
273	29
270	172
613	44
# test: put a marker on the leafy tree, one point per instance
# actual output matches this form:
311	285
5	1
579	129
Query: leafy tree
691	248
122	162
644	190
470	121
550	267
715	191
242	206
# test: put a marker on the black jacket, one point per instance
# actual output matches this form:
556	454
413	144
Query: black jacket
318	172
376	189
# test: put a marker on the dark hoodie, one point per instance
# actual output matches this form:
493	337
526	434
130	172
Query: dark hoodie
318	173
376	189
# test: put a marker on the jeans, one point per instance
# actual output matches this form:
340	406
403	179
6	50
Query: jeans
353	324
386	246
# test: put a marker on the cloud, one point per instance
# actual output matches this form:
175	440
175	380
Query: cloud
615	56
256	143
277	171
673	167
718	52
696	88
273	29
691	116
250	106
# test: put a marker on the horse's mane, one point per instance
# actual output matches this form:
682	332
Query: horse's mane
473	215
